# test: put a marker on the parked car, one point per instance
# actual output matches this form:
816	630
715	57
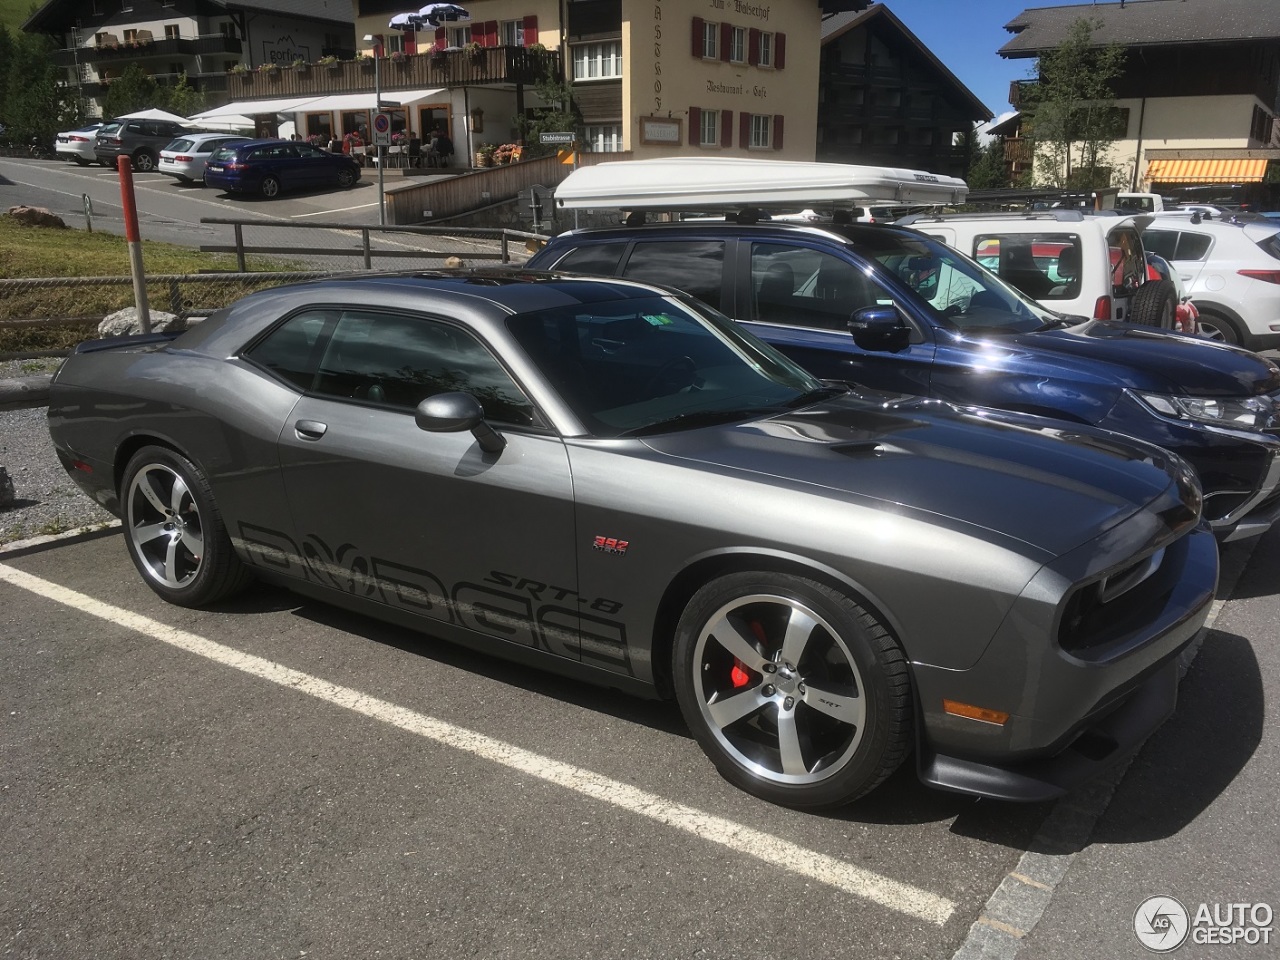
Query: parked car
1072	263
612	481
1232	270
894	309
140	140
269	167
185	157
78	145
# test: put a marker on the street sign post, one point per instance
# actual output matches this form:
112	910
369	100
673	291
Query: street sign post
557	136
382	130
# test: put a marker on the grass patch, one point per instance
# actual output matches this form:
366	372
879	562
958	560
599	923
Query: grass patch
46	252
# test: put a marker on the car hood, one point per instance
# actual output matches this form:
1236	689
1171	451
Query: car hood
1045	483
1143	358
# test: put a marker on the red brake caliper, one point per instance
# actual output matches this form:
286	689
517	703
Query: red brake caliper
739	676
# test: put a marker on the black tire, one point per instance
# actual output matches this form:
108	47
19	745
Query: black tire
270	187
174	532
842	689
1155	304
346	178
144	161
80	161
1213	326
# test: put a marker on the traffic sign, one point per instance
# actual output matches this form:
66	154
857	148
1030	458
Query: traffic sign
382	130
557	136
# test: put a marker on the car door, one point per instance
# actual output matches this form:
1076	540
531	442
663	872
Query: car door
319	169
801	299
429	522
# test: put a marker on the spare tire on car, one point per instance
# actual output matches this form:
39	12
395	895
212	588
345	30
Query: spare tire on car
1155	304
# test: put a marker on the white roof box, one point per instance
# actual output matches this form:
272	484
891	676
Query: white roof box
705	183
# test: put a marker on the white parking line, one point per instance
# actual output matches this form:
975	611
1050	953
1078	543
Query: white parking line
765	847
326	213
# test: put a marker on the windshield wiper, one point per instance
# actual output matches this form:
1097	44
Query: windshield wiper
699	418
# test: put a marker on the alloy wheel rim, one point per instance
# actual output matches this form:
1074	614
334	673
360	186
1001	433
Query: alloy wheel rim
779	689
165	526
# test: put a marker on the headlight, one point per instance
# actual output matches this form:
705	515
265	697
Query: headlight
1249	413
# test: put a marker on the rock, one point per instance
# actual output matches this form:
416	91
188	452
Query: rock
454	263
125	322
36	216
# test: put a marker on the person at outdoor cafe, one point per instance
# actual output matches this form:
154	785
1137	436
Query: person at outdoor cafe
439	149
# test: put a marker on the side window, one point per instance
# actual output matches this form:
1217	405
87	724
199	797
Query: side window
1043	266
1193	246
695	266
799	286
399	361
601	259
292	350
1161	242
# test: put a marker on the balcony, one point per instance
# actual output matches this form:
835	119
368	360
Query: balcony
169	47
491	65
1017	150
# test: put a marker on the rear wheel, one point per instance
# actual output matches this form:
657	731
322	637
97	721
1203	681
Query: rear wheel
270	187
1155	304
80	161
346	178
796	693
144	161
1213	326
174	532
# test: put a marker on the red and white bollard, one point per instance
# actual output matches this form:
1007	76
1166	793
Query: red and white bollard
124	164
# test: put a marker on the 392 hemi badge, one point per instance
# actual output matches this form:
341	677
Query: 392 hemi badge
610	544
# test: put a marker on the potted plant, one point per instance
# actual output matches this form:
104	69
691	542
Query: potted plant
240	68
484	156
300	65
474	51
330	61
271	69
398	56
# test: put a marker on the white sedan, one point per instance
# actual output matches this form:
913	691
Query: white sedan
77	145
186	156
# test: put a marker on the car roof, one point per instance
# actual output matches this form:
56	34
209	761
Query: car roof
865	233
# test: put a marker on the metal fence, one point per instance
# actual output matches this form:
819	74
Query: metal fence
288	244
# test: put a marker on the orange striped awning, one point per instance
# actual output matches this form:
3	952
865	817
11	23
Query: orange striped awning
1207	171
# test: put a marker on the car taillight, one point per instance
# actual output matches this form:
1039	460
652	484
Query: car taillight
75	139
1270	276
1102	309
234	166
181	159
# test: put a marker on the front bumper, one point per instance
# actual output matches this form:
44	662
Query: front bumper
1072	713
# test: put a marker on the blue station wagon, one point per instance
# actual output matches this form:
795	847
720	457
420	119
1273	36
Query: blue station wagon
269	167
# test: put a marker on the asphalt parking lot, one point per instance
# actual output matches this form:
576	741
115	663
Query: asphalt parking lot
277	778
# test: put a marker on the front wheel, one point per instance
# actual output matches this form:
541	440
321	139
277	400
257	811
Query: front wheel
796	693
174	532
346	178
270	187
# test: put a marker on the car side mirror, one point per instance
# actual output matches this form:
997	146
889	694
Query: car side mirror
455	412
879	328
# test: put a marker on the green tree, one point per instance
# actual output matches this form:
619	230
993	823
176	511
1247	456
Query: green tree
986	165
36	102
133	90
1073	115
560	114
183	99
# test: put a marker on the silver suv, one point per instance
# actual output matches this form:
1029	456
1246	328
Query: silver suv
1232	271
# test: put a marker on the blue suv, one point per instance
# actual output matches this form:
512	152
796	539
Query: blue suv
892	309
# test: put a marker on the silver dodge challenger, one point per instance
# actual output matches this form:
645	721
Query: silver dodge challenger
613	481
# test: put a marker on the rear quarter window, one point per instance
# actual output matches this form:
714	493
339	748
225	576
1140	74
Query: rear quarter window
694	266
1271	245
601	259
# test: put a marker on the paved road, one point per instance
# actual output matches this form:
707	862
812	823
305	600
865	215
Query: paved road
276	778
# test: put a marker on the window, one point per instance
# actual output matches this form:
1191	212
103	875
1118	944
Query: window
597	61
131	36
738	45
512	33
601	259
393	42
761	131
710	41
171	31
101	39
698	263
1043	266
388	360
457	36
228	29
604	137
709	135
799	286
1177	245
766	49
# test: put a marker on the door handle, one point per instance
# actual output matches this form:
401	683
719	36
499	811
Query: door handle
309	429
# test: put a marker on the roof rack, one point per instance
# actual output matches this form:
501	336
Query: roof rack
1066	216
716	184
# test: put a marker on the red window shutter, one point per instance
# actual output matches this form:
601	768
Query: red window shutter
697	36
695	126
490	29
410	42
530	31
744	130
441	40
777	131
753	46
726	37
726	128
779	50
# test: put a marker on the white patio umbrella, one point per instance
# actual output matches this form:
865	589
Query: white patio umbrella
438	13
408	22
153	114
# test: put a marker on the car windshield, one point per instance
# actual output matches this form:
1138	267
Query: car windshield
653	364
959	293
